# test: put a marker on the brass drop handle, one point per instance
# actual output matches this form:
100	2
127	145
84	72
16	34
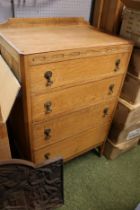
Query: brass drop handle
111	89
47	156
47	133
106	111
117	65
48	106
48	77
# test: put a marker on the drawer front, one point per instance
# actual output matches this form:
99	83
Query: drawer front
71	99
49	76
69	125
73	146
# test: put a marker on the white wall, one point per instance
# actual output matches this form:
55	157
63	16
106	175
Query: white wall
46	8
54	8
5	10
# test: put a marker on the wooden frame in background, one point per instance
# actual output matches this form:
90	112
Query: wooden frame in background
107	15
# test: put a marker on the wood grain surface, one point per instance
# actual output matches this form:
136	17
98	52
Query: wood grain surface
30	40
73	146
74	98
72	72
87	67
72	124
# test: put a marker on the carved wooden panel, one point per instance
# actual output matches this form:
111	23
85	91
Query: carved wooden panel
26	187
50	57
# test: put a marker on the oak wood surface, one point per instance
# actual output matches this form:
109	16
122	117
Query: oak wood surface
35	22
74	98
73	146
64	55
11	61
72	124
29	40
72	72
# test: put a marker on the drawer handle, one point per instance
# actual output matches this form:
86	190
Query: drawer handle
117	65
48	76
111	89
47	133
47	156
48	106
106	111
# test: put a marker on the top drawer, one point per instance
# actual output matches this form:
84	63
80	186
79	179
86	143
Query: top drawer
53	75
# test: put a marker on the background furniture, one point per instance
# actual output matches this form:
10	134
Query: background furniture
107	15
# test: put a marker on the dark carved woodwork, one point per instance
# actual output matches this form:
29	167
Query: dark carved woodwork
24	186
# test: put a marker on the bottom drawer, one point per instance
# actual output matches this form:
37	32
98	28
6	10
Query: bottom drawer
61	128
73	146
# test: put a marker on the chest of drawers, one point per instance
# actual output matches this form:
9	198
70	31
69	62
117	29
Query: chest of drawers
71	77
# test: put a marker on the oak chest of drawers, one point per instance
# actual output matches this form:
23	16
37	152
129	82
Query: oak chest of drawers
71	77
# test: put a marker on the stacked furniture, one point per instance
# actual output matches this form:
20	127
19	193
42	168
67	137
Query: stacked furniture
125	130
71	76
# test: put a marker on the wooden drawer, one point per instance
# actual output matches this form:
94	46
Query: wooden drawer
76	71
72	124
74	145
71	99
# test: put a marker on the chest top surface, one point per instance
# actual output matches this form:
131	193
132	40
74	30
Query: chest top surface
39	35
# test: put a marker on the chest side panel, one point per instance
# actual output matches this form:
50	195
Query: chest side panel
63	75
